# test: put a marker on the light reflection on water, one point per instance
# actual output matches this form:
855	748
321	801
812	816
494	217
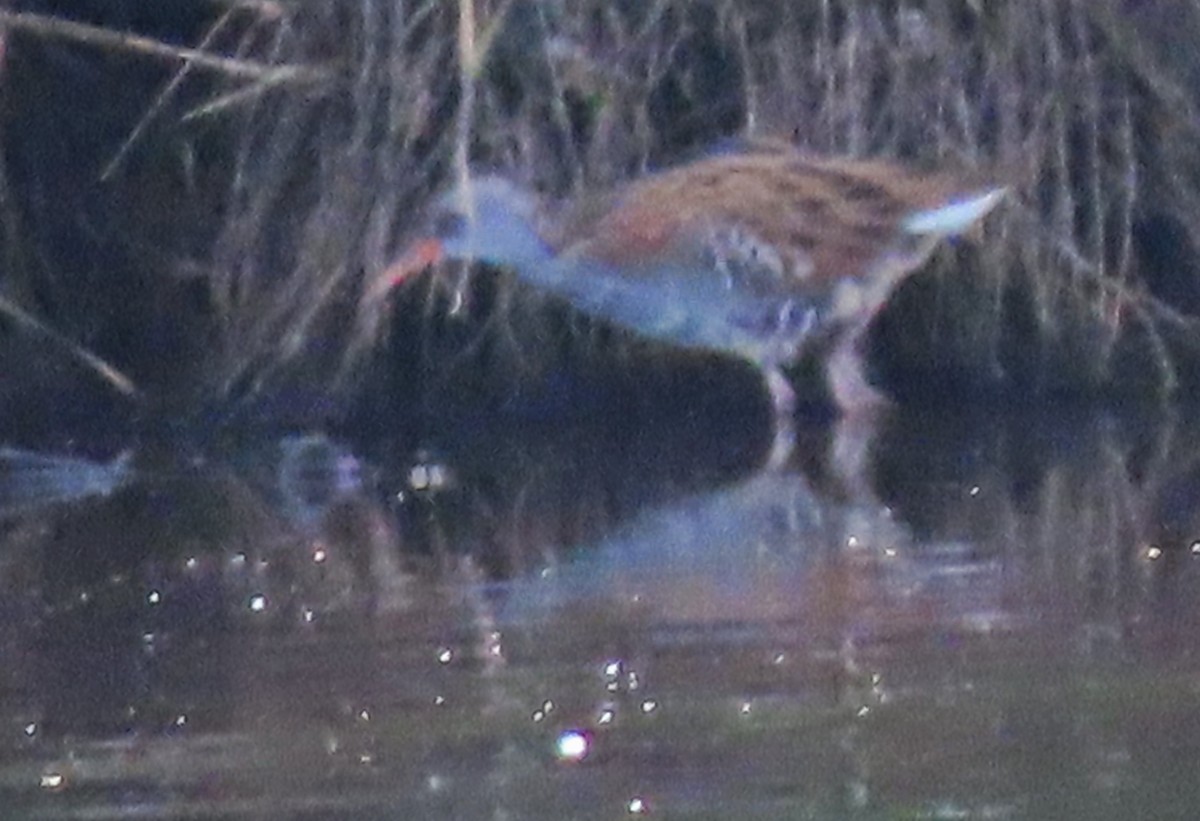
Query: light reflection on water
980	618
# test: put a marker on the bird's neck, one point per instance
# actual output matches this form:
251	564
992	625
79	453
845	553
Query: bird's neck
512	239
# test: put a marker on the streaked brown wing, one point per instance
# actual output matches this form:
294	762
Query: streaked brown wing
824	218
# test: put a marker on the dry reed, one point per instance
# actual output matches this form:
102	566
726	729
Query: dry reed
339	119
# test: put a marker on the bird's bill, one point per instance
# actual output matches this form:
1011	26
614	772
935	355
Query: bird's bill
422	254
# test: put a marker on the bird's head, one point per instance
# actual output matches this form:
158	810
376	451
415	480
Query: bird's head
489	219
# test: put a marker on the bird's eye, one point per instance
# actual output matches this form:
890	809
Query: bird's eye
449	225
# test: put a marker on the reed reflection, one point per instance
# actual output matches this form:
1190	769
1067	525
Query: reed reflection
443	613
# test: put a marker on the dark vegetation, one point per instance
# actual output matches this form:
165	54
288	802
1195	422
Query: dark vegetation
203	193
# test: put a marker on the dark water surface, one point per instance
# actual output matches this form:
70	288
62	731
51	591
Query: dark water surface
935	617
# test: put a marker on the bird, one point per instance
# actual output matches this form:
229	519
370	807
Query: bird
757	253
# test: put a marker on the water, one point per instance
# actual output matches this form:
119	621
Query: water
935	618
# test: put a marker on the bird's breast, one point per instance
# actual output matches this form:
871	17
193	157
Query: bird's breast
707	308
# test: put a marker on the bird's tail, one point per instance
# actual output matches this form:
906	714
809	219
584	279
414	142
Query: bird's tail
954	217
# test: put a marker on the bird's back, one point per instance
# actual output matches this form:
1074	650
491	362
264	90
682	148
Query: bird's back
804	220
753	251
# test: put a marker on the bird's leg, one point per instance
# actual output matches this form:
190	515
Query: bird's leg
860	408
783	406
845	369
